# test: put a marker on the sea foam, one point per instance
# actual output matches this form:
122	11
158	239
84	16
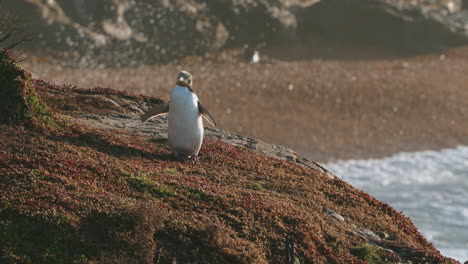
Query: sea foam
431	187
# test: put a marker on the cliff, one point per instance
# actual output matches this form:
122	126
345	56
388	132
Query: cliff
97	186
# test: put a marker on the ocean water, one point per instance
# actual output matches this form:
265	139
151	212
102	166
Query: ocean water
430	187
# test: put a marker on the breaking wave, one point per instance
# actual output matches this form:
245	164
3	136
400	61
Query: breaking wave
431	187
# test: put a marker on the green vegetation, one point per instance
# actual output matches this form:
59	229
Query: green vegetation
170	170
259	185
367	252
19	102
142	183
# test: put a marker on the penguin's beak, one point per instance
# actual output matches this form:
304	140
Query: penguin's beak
185	82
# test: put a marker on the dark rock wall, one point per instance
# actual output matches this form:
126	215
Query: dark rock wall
125	32
375	23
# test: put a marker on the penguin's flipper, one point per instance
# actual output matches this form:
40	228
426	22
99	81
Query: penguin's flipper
206	114
155	111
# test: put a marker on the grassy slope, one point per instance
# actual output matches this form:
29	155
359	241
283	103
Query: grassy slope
84	194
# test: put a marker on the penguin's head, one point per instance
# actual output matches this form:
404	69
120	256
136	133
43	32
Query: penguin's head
184	79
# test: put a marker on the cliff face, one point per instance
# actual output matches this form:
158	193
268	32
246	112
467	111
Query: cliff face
103	188
128	32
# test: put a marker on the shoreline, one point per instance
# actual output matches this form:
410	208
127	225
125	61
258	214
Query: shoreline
421	185
326	109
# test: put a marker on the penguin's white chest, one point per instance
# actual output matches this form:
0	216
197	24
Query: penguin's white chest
185	128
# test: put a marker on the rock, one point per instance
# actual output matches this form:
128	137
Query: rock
415	24
332	213
153	31
175	29
126	32
134	32
368	235
123	31
51	27
448	14
382	235
157	128
261	20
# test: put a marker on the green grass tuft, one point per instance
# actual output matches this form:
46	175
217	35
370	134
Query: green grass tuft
170	171
19	102
142	183
367	252
259	185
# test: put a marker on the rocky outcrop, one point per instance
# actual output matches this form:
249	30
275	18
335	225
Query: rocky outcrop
449	14
134	32
419	25
114	111
122	31
258	20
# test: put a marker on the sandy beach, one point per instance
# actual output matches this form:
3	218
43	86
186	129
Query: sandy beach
327	102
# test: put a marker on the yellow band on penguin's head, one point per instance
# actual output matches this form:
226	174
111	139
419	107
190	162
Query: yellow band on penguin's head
184	79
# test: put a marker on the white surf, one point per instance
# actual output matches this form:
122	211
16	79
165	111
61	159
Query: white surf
431	187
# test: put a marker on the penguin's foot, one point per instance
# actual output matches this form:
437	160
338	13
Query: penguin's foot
193	159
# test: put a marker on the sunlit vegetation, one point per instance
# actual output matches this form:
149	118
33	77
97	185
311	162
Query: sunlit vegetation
74	193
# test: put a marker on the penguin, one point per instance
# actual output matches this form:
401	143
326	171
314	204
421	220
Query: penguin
255	57
185	112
